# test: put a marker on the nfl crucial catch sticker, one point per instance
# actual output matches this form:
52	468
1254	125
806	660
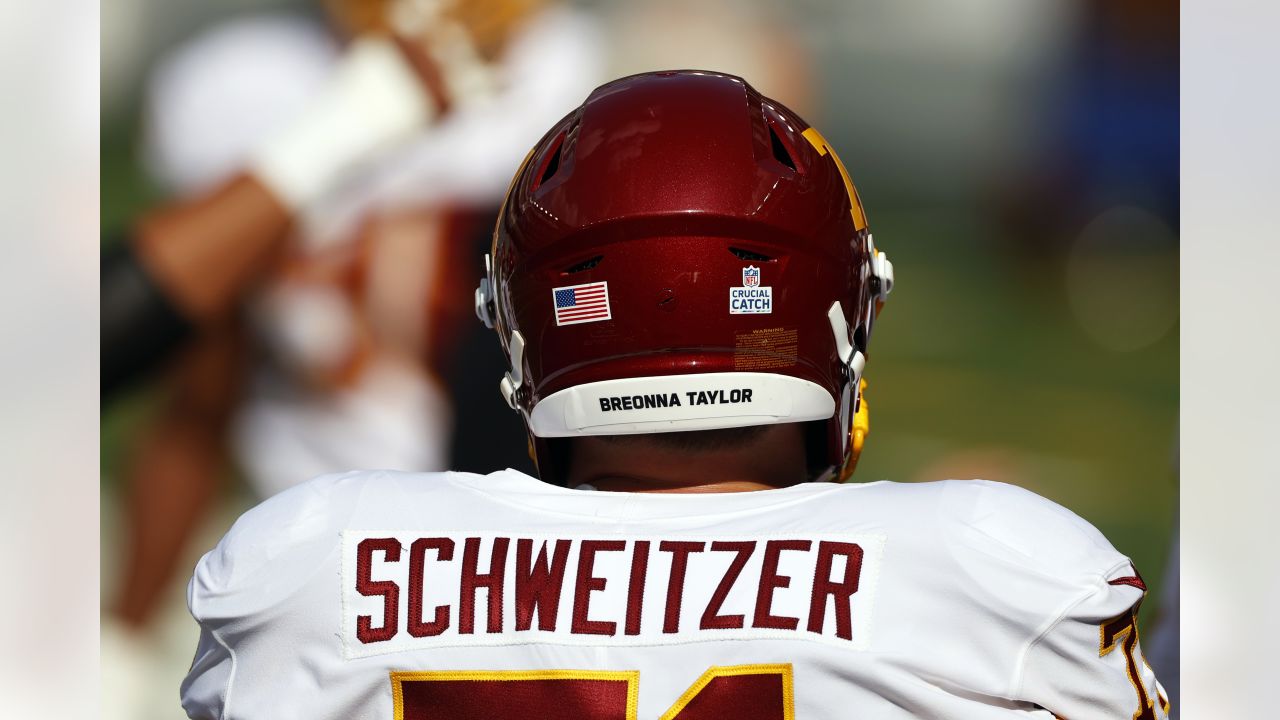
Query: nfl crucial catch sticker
751	298
581	303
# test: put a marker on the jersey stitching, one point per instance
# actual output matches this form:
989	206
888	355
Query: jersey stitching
230	652
1099	583
231	676
1023	556
342	592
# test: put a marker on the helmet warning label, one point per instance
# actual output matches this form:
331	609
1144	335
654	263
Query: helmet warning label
766	349
751	298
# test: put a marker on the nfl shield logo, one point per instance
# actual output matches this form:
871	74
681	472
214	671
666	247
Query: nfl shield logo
750	276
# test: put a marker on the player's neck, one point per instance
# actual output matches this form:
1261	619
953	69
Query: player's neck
775	459
660	485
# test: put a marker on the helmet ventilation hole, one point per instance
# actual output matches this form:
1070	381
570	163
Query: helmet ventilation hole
551	164
749	256
582	266
780	152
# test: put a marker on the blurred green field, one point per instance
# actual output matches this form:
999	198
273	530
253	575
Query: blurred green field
978	368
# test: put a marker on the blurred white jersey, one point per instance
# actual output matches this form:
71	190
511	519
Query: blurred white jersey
209	105
381	595
394	416
212	100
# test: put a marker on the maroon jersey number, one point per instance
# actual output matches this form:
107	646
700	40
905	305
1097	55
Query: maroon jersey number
748	692
1123	630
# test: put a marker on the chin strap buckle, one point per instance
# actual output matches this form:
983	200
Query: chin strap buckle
510	384
486	303
855	362
487	311
852	357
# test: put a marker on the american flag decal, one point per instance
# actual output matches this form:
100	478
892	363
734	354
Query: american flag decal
581	303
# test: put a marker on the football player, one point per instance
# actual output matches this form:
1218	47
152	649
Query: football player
338	355
410	65
685	285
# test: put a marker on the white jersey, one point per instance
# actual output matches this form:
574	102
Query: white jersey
382	595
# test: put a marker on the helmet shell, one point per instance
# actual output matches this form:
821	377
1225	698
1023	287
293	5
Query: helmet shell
726	238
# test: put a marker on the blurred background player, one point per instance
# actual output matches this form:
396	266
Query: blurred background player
338	359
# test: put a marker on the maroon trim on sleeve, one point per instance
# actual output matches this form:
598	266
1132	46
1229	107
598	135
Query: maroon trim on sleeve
1134	580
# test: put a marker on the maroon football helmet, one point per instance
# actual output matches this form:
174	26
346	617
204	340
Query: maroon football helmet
683	253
